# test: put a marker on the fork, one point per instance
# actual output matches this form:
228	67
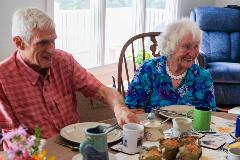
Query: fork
75	148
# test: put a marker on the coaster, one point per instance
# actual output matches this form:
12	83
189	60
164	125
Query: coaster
119	147
212	141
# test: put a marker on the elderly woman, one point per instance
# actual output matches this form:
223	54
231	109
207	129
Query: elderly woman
173	78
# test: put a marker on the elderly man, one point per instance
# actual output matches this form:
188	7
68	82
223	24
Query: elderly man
38	82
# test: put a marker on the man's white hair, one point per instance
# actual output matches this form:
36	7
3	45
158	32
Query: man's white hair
174	32
24	21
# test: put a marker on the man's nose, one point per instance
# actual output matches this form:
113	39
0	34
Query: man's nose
51	46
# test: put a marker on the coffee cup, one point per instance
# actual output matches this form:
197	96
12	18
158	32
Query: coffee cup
201	118
133	134
233	154
95	146
181	125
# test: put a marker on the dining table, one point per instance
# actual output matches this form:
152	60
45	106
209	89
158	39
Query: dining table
64	153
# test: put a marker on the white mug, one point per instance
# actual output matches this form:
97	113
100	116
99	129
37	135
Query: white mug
233	154
133	134
181	125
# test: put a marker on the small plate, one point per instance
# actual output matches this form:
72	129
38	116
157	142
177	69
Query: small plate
174	110
75	132
80	157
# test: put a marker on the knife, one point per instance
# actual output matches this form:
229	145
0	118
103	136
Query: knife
75	148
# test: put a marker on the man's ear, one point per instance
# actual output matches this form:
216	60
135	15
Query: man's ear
19	43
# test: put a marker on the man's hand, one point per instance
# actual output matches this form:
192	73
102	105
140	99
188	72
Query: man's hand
115	101
124	115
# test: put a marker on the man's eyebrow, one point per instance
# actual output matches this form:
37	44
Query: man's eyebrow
45	41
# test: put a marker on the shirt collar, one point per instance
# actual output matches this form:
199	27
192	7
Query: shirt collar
28	72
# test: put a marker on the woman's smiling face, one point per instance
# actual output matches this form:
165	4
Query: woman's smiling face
186	51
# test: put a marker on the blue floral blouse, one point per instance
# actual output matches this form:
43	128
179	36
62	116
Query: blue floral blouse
152	87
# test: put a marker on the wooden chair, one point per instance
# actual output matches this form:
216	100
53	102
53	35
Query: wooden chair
127	63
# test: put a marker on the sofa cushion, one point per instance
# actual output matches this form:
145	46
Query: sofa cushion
235	46
221	46
224	72
227	93
217	19
216	46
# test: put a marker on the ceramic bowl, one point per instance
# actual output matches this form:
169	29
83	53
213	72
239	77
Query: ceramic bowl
152	130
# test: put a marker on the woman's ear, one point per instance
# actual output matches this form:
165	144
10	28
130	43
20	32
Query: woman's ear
19	43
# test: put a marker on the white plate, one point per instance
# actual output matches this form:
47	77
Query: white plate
79	157
75	132
175	109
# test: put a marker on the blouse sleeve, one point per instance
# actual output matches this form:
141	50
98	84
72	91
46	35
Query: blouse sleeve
138	94
209	97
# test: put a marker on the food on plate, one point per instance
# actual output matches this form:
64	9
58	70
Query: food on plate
189	140
224	129
170	147
184	148
190	152
151	153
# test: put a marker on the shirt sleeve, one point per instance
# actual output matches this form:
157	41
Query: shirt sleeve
7	119
139	90
84	81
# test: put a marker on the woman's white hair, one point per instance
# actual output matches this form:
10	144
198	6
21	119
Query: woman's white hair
24	21
174	32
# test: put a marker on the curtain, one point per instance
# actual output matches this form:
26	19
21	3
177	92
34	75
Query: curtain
97	30
139	15
172	11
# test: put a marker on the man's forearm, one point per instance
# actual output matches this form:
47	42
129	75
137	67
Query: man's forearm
109	96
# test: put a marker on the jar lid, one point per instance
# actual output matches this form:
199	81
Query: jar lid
151	123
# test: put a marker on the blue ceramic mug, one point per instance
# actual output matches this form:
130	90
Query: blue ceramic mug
95	146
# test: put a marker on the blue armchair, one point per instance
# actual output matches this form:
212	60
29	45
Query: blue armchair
220	50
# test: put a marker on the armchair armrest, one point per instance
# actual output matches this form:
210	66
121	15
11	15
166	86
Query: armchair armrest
202	60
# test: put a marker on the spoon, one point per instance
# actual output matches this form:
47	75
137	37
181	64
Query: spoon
107	129
150	118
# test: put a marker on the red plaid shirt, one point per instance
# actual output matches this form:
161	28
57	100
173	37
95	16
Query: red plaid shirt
50	103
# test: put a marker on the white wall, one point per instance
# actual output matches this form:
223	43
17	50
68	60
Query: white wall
223	3
7	8
188	5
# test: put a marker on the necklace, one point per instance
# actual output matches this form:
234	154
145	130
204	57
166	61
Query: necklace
173	76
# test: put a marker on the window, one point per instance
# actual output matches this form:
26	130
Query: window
118	27
94	31
72	18
154	14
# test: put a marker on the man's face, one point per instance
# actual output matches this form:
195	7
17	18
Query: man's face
39	50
